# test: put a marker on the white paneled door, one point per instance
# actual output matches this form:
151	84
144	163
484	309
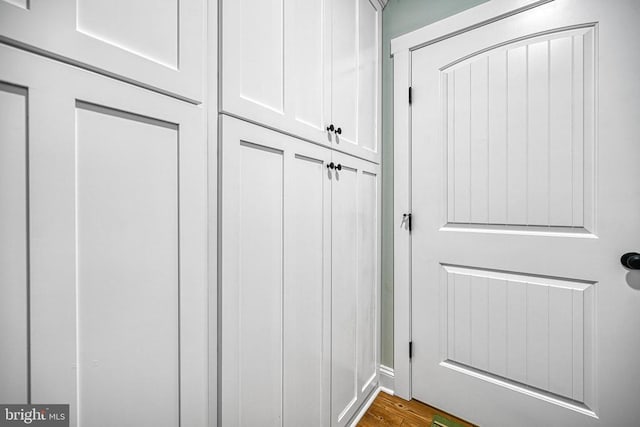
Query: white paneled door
102	247
525	195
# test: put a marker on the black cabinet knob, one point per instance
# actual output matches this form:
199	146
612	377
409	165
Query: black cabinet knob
330	128
339	167
331	165
631	260
339	131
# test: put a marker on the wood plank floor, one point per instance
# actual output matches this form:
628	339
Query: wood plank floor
388	410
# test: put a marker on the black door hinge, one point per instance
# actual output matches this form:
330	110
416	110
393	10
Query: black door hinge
410	95
410	349
406	219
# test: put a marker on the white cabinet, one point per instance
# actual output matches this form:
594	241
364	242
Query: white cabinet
301	67
299	289
355	77
355	271
152	43
106	213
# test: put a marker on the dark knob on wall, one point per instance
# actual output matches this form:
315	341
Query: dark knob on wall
330	128
631	260
339	167
339	131
331	166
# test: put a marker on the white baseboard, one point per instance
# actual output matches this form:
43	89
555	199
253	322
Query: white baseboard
387	381
386	384
365	408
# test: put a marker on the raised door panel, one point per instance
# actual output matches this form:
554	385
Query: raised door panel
117	250
276	276
355	77
14	245
355	273
157	44
274	64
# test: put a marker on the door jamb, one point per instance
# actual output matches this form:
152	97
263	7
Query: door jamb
401	48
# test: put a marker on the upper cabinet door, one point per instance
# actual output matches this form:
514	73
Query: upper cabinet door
355	82
157	44
275	64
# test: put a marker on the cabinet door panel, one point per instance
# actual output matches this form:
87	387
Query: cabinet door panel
368	76
356	77
14	256
368	270
344	75
127	172
275	278
117	246
355	286
274	64
307	48
307	288
162	50
344	301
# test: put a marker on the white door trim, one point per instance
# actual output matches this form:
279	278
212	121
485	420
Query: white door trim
401	48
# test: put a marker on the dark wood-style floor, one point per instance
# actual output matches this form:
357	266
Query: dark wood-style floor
388	410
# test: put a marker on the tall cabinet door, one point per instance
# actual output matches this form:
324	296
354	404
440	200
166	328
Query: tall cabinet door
275	283
104	198
355	77
275	64
152	43
355	286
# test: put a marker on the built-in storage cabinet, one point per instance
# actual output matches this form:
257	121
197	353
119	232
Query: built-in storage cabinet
163	50
355	270
355	81
310	68
102	246
299	290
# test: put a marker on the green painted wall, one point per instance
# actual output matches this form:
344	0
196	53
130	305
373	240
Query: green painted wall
399	17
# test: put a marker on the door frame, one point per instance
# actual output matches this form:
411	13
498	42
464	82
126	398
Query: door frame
401	49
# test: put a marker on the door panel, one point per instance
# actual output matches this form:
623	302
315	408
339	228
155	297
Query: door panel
344	80
307	291
127	172
367	279
117	259
344	301
355	81
275	65
538	93
14	251
368	75
520	223
162	49
355	293
275	278
307	62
